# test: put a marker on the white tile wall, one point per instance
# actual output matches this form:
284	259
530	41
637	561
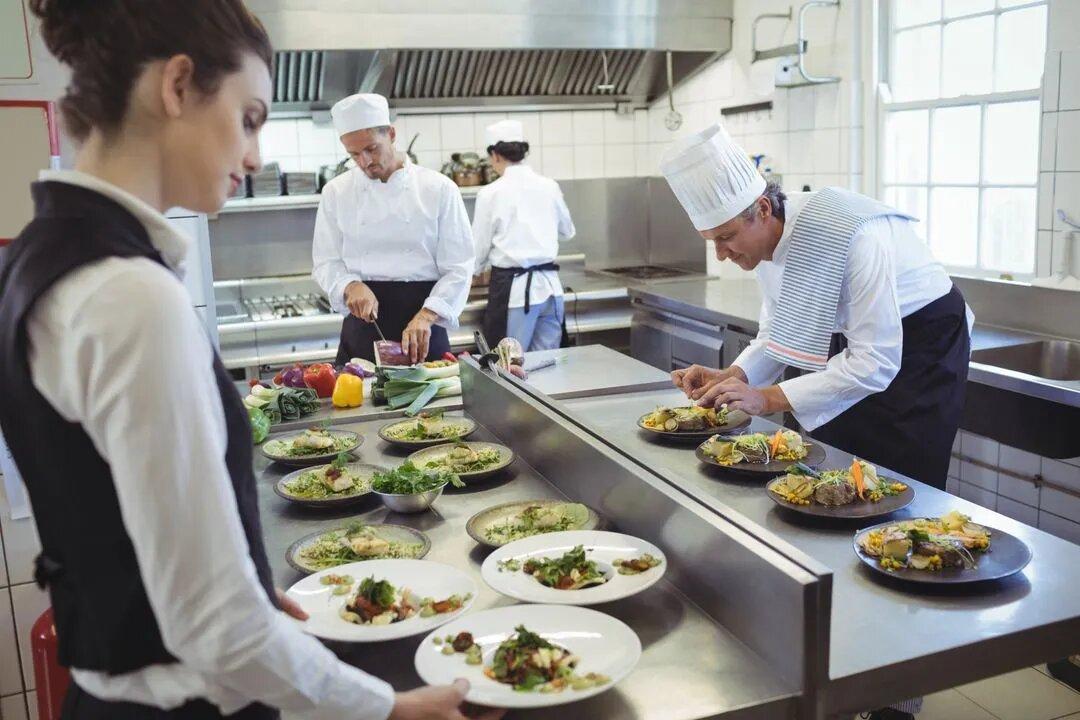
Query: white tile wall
1068	140
1059	160
10	679
13	707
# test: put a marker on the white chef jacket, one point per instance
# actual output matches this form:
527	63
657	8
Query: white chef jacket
890	274
412	227
117	347
519	220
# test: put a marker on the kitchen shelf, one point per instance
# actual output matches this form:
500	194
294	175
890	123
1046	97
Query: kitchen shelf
295	202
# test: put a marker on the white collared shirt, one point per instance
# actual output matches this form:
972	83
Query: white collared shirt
890	274
519	220
117	347
411	227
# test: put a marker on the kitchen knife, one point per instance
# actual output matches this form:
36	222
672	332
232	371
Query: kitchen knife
378	329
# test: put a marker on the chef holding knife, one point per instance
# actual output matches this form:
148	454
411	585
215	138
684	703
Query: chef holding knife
850	293
392	245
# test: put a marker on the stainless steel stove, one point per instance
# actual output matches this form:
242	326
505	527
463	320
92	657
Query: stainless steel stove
646	272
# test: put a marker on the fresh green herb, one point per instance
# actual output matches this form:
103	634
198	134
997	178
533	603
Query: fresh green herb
377	592
571	571
407	479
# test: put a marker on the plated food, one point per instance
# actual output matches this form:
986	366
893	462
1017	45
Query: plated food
501	524
408	488
760	452
574	568
342	482
947	549
468	460
427	428
530	655
692	422
393	599
356	542
312	446
854	492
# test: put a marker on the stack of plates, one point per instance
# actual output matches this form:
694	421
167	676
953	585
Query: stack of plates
268	182
301	183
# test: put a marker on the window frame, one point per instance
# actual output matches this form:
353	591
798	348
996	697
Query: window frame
886	105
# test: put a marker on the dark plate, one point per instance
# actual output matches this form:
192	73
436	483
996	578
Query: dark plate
857	510
357	468
814	457
498	513
1007	556
268	449
506	456
737	420
388	532
384	435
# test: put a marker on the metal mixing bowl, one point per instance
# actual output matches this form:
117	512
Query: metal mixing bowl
412	503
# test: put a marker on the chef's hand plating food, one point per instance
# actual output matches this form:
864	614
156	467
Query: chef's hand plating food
682	419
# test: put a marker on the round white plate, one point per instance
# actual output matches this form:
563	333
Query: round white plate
424	577
603	547
604	644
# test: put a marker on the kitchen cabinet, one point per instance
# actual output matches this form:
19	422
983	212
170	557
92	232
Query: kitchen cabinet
668	341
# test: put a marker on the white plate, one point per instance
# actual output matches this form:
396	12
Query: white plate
603	547
424	577
604	644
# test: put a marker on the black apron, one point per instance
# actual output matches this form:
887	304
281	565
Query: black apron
81	705
498	304
909	427
399	301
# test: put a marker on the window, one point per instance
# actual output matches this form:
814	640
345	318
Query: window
960	127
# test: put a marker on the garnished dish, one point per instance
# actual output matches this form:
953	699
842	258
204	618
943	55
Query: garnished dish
393	599
341	480
759	452
502	524
855	492
467	459
427	428
312	445
409	489
356	542
930	544
582	567
525	656
685	419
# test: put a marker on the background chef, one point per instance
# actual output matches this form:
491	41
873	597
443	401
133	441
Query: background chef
851	293
392	241
517	226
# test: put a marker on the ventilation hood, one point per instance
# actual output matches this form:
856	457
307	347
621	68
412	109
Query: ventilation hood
469	55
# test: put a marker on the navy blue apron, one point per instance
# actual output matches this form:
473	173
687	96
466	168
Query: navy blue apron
399	301
909	427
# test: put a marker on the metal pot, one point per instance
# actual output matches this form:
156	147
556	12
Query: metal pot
411	503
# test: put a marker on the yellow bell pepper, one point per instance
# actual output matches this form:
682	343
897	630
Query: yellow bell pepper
348	391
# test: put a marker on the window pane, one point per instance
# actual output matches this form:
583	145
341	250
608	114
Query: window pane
1021	48
956	8
916	64
906	138
967	57
911	200
954	154
1011	144
915	12
1008	230
954	216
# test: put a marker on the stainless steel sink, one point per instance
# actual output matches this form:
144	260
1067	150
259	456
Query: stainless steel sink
1050	359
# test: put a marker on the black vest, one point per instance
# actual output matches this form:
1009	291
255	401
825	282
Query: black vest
103	618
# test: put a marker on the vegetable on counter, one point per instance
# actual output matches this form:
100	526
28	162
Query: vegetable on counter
348	391
360	368
260	424
320	377
291	377
283	403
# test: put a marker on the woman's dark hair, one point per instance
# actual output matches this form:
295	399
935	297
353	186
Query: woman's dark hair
512	151
108	42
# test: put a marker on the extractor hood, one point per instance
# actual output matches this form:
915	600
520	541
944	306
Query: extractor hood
446	55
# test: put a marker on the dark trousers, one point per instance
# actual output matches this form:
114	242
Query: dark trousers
910	426
399	301
81	705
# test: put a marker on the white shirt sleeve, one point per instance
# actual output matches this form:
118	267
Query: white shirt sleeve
875	335
327	258
760	369
566	223
133	363
454	259
482	231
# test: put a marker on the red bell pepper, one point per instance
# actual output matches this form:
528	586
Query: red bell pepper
321	378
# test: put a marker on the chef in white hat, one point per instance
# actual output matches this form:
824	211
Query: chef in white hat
518	223
392	241
850	294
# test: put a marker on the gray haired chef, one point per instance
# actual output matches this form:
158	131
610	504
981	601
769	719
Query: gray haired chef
850	294
392	241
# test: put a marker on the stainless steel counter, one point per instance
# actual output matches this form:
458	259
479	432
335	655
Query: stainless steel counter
886	641
691	667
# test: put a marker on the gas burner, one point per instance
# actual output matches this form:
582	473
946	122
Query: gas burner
646	272
287	306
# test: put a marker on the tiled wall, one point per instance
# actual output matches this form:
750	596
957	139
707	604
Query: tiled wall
21	602
1053	510
1059	159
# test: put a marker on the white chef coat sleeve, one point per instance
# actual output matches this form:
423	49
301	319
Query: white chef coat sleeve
875	335
137	364
327	253
453	258
482	230
760	369
566	223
